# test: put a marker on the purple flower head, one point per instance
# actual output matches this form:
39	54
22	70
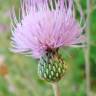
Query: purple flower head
41	28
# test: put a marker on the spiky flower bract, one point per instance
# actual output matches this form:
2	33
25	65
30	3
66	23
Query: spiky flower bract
43	28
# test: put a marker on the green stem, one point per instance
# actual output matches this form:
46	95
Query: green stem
56	89
87	50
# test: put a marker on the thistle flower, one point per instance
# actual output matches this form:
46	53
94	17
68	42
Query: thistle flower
42	30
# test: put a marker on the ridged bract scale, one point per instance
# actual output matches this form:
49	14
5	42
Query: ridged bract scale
51	67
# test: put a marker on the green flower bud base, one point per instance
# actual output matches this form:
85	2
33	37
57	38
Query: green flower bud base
51	67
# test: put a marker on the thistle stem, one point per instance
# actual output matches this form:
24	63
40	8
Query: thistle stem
87	51
56	89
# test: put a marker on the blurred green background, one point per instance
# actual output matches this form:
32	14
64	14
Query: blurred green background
22	78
